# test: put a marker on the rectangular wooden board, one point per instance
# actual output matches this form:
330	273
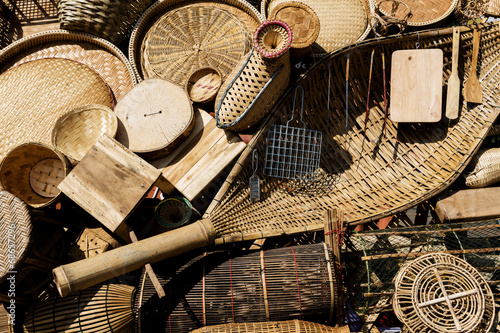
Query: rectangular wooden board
416	86
470	205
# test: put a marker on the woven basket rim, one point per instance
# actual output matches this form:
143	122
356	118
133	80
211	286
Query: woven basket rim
178	199
189	83
453	5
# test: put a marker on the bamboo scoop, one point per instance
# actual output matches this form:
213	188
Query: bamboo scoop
453	95
473	92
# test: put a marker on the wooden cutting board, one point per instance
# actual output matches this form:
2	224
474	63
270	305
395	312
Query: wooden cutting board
416	86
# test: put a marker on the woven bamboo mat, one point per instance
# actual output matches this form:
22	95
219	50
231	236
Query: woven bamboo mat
98	54
36	93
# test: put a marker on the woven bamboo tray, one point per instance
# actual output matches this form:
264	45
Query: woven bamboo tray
297	326
485	168
242	13
342	22
100	55
203	84
494	8
424	12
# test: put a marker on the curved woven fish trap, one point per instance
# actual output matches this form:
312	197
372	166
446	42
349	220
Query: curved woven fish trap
423	12
485	167
367	169
343	22
298	326
442	293
231	287
97	53
15	232
103	309
78	130
110	19
174	38
32	171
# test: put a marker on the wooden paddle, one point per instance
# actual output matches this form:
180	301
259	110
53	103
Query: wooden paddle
453	95
473	92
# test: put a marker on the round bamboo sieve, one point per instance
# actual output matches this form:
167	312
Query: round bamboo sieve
32	172
173	212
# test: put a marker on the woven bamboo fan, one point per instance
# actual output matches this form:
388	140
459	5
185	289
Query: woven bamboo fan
485	168
35	94
78	130
298	326
98	54
343	22
224	287
15	232
442	293
423	13
203	84
100	309
32	172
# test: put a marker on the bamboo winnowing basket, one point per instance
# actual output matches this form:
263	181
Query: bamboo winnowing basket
366	178
298	326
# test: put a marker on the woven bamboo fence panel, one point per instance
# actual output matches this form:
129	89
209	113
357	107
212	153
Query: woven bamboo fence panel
372	259
485	168
110	19
367	174
223	287
297	326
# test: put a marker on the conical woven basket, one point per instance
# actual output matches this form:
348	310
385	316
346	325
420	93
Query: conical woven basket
173	212
297	326
485	168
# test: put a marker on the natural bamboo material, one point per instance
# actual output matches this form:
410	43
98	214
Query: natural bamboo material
298	326
103	309
485	167
423	12
473	92
453	93
203	85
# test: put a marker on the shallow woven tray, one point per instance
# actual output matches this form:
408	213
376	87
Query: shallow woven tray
343	22
424	12
36	93
97	53
248	16
78	130
203	85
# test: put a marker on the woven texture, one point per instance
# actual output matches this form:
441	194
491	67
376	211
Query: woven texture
34	94
241	14
343	22
100	55
203	85
173	212
297	326
424	12
485	168
99	309
110	19
9	30
190	38
20	173
15	232
78	130
494	7
362	172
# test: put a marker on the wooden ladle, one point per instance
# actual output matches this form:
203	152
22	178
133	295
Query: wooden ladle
473	92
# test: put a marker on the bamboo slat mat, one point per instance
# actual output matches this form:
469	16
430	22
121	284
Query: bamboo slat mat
35	94
100	55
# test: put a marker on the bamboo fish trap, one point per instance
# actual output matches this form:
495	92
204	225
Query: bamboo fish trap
227	288
368	171
102	309
298	326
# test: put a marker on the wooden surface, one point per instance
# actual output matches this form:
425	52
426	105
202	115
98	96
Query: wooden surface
473	92
109	182
453	95
201	157
154	116
416	85
470	205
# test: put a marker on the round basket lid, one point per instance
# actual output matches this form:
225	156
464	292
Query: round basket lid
424	12
153	116
194	37
203	85
36	93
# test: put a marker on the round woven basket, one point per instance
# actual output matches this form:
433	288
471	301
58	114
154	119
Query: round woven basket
423	12
273	39
78	130
203	84
173	212
486	168
32	171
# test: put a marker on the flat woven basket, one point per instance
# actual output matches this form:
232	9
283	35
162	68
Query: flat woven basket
243	15
78	130
343	22
32	171
297	326
36	93
110	19
424	12
97	53
486	168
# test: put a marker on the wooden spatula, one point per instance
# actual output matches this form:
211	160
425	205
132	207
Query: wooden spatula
453	95
473	92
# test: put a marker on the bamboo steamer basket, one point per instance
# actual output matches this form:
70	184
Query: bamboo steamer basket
298	326
78	130
101	309
257	82
203	85
32	171
423	12
485	168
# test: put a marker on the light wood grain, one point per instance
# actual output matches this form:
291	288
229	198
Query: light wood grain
470	205
416	85
473	92
453	92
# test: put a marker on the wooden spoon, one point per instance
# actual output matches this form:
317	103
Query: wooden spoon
473	92
453	95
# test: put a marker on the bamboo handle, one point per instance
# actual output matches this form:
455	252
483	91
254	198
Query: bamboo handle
455	50
475	50
84	273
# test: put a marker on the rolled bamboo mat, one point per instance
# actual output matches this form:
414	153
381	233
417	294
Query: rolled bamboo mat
36	93
97	53
485	167
297	326
99	309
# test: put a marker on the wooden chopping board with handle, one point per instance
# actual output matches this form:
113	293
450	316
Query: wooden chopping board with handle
416	85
